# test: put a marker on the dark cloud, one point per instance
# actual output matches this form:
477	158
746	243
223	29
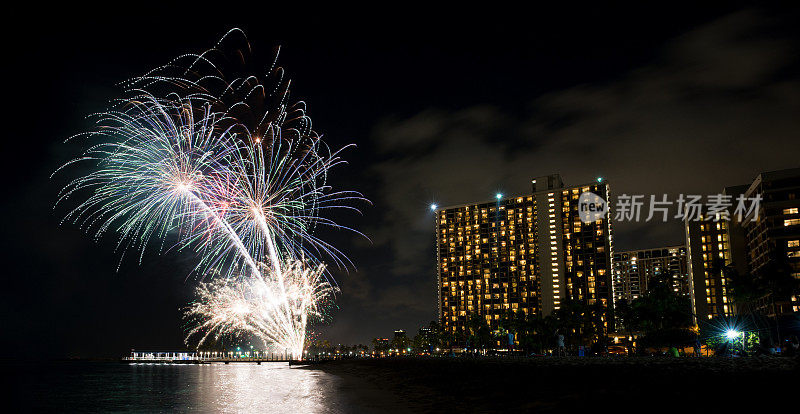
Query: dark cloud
717	106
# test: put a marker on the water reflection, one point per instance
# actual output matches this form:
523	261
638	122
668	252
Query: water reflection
236	387
272	387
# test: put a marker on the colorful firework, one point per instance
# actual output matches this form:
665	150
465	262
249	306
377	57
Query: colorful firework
233	171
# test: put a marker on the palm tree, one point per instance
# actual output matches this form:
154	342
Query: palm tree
772	284
629	319
480	332
663	315
512	323
572	320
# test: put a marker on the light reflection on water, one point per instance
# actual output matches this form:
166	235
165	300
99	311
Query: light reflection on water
147	388
271	387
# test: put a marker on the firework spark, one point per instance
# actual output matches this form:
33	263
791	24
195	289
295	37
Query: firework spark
276	309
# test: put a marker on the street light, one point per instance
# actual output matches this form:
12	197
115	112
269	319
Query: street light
498	196
732	334
434	206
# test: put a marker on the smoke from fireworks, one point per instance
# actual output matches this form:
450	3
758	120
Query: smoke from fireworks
237	174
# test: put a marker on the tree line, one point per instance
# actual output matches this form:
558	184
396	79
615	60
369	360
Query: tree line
661	317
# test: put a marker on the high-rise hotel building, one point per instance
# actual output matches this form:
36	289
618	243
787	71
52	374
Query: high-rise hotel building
528	253
755	246
772	240
712	243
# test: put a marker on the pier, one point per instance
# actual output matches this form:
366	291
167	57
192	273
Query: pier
226	357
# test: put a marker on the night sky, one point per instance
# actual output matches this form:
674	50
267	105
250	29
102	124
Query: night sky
447	107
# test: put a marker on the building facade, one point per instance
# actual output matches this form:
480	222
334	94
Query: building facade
528	253
772	236
763	244
713	243
634	270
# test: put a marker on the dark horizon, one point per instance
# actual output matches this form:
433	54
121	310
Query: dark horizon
449	111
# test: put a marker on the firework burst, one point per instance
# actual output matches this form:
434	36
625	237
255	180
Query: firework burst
232	170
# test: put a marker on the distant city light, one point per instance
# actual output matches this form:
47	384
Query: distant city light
498	196
434	207
599	179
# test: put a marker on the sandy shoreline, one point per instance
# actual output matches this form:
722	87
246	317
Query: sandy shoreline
565	384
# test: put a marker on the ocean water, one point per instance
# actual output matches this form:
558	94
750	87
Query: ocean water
116	387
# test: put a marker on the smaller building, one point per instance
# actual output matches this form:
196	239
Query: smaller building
634	270
380	346
426	333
